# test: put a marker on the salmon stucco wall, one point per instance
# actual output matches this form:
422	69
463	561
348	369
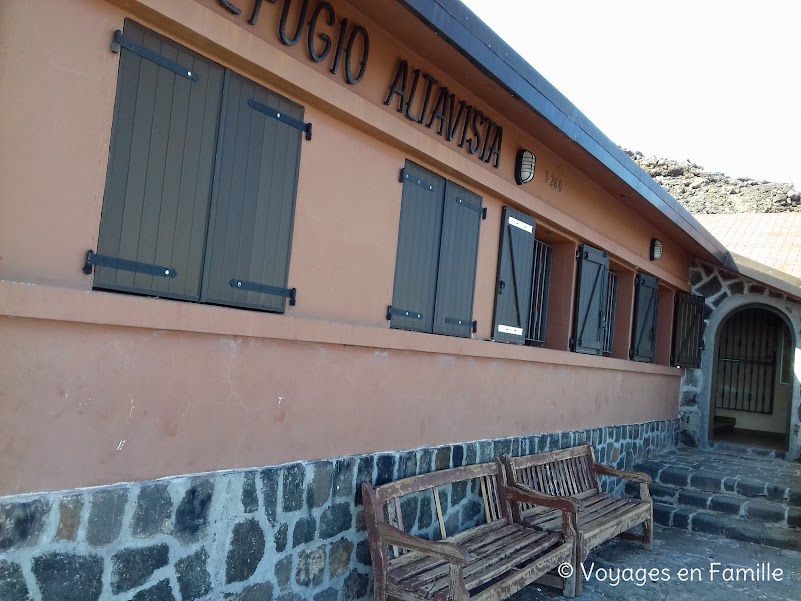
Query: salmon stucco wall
97	388
133	404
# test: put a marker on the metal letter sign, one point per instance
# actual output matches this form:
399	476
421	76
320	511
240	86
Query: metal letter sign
352	43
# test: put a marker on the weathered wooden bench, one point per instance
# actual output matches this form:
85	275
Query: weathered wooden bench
489	561
571	475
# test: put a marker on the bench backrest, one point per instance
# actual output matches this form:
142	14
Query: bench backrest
564	473
383	504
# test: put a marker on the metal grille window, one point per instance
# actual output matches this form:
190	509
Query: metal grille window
435	267
745	373
201	184
543	258
611	305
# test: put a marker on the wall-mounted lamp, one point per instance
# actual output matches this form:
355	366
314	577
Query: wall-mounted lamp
656	249
524	166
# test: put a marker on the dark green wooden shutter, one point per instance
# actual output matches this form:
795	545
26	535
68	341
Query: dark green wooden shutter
456	276
515	268
250	231
591	294
688	320
161	162
417	260
646	309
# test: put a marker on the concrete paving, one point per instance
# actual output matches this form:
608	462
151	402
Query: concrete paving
705	559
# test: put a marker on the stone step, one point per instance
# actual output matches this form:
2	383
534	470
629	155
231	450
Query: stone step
747	508
737	450
731	526
747	460
737	478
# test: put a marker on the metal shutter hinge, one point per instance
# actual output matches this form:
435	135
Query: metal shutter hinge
470	206
120	41
404	176
93	259
290	293
473	325
402	313
282	117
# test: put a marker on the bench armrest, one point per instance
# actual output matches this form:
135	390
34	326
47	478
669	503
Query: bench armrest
450	552
521	493
605	470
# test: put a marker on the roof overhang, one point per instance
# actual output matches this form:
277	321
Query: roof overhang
463	30
763	274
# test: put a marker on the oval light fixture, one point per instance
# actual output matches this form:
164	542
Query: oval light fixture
524	166
656	249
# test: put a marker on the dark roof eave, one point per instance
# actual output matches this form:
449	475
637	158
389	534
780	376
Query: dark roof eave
484	48
764	274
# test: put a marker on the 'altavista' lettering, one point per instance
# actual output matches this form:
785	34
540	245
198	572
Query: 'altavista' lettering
452	118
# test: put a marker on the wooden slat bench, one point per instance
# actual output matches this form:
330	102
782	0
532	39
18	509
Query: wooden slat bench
572	475
490	561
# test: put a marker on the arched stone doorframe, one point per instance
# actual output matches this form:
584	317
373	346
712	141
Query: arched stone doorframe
719	315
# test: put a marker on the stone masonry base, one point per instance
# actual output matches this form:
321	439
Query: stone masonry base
289	533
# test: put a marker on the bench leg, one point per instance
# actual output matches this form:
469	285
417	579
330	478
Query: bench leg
572	586
379	589
578	562
648	532
579	580
648	525
647	536
458	590
569	586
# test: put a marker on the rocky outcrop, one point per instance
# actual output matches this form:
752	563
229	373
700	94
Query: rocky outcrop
700	191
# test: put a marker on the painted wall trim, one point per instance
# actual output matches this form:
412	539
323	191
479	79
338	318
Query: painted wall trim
34	301
484	48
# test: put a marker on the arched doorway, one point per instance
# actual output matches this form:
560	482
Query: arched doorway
752	379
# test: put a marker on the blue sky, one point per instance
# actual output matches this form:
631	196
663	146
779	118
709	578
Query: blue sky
715	82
